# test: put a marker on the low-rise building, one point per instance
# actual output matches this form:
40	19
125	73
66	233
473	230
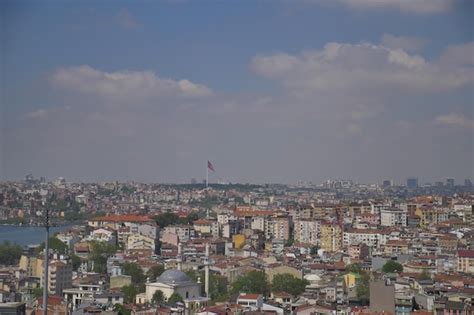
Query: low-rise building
465	261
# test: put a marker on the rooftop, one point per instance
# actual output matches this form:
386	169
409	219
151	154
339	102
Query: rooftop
123	218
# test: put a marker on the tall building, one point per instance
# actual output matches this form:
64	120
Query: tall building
412	182
307	231
382	296
467	183
331	237
280	228
387	183
450	182
59	277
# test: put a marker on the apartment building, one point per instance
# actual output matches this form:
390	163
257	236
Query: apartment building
59	277
307	231
331	237
465	261
393	217
372	238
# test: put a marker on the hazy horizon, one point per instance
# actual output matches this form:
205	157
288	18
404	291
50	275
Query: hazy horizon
270	92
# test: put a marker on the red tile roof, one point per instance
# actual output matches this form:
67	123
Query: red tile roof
466	253
249	296
252	213
52	300
202	222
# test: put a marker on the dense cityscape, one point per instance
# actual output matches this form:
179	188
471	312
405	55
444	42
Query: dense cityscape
334	248
236	157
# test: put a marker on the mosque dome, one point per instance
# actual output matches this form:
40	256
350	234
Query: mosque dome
173	276
312	277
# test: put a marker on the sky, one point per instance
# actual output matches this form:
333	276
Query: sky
269	91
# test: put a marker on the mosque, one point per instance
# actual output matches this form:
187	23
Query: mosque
176	281
173	281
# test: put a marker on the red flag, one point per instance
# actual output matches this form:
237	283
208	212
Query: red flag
210	166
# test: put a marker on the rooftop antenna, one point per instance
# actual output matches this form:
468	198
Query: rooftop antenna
46	250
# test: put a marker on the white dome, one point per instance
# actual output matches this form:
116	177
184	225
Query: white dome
173	276
312	277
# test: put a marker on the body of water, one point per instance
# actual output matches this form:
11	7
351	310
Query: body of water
27	235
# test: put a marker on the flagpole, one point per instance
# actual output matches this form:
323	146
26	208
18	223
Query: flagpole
207	175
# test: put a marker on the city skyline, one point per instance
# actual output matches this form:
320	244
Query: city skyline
269	92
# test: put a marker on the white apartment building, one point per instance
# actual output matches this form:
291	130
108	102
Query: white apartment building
184	232
393	217
307	231
372	238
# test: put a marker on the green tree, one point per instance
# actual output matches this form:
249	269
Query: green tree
56	245
155	271
356	268
424	275
289	283
76	262
74	215
193	216
218	288
129	293
37	292
174	298
362	291
100	252
121	309
167	218
10	253
252	282
217	285
158	297
392	266
135	271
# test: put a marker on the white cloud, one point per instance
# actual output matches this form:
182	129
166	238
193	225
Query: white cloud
125	86
411	6
454	120
409	44
127	20
355	69
459	55
37	114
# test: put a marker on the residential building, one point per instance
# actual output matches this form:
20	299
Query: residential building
393	217
59	277
465	261
307	231
250	301
331	237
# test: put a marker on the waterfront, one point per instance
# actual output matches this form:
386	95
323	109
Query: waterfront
26	235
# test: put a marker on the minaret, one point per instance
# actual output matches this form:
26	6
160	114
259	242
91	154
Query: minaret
46	274
206	266
179	258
